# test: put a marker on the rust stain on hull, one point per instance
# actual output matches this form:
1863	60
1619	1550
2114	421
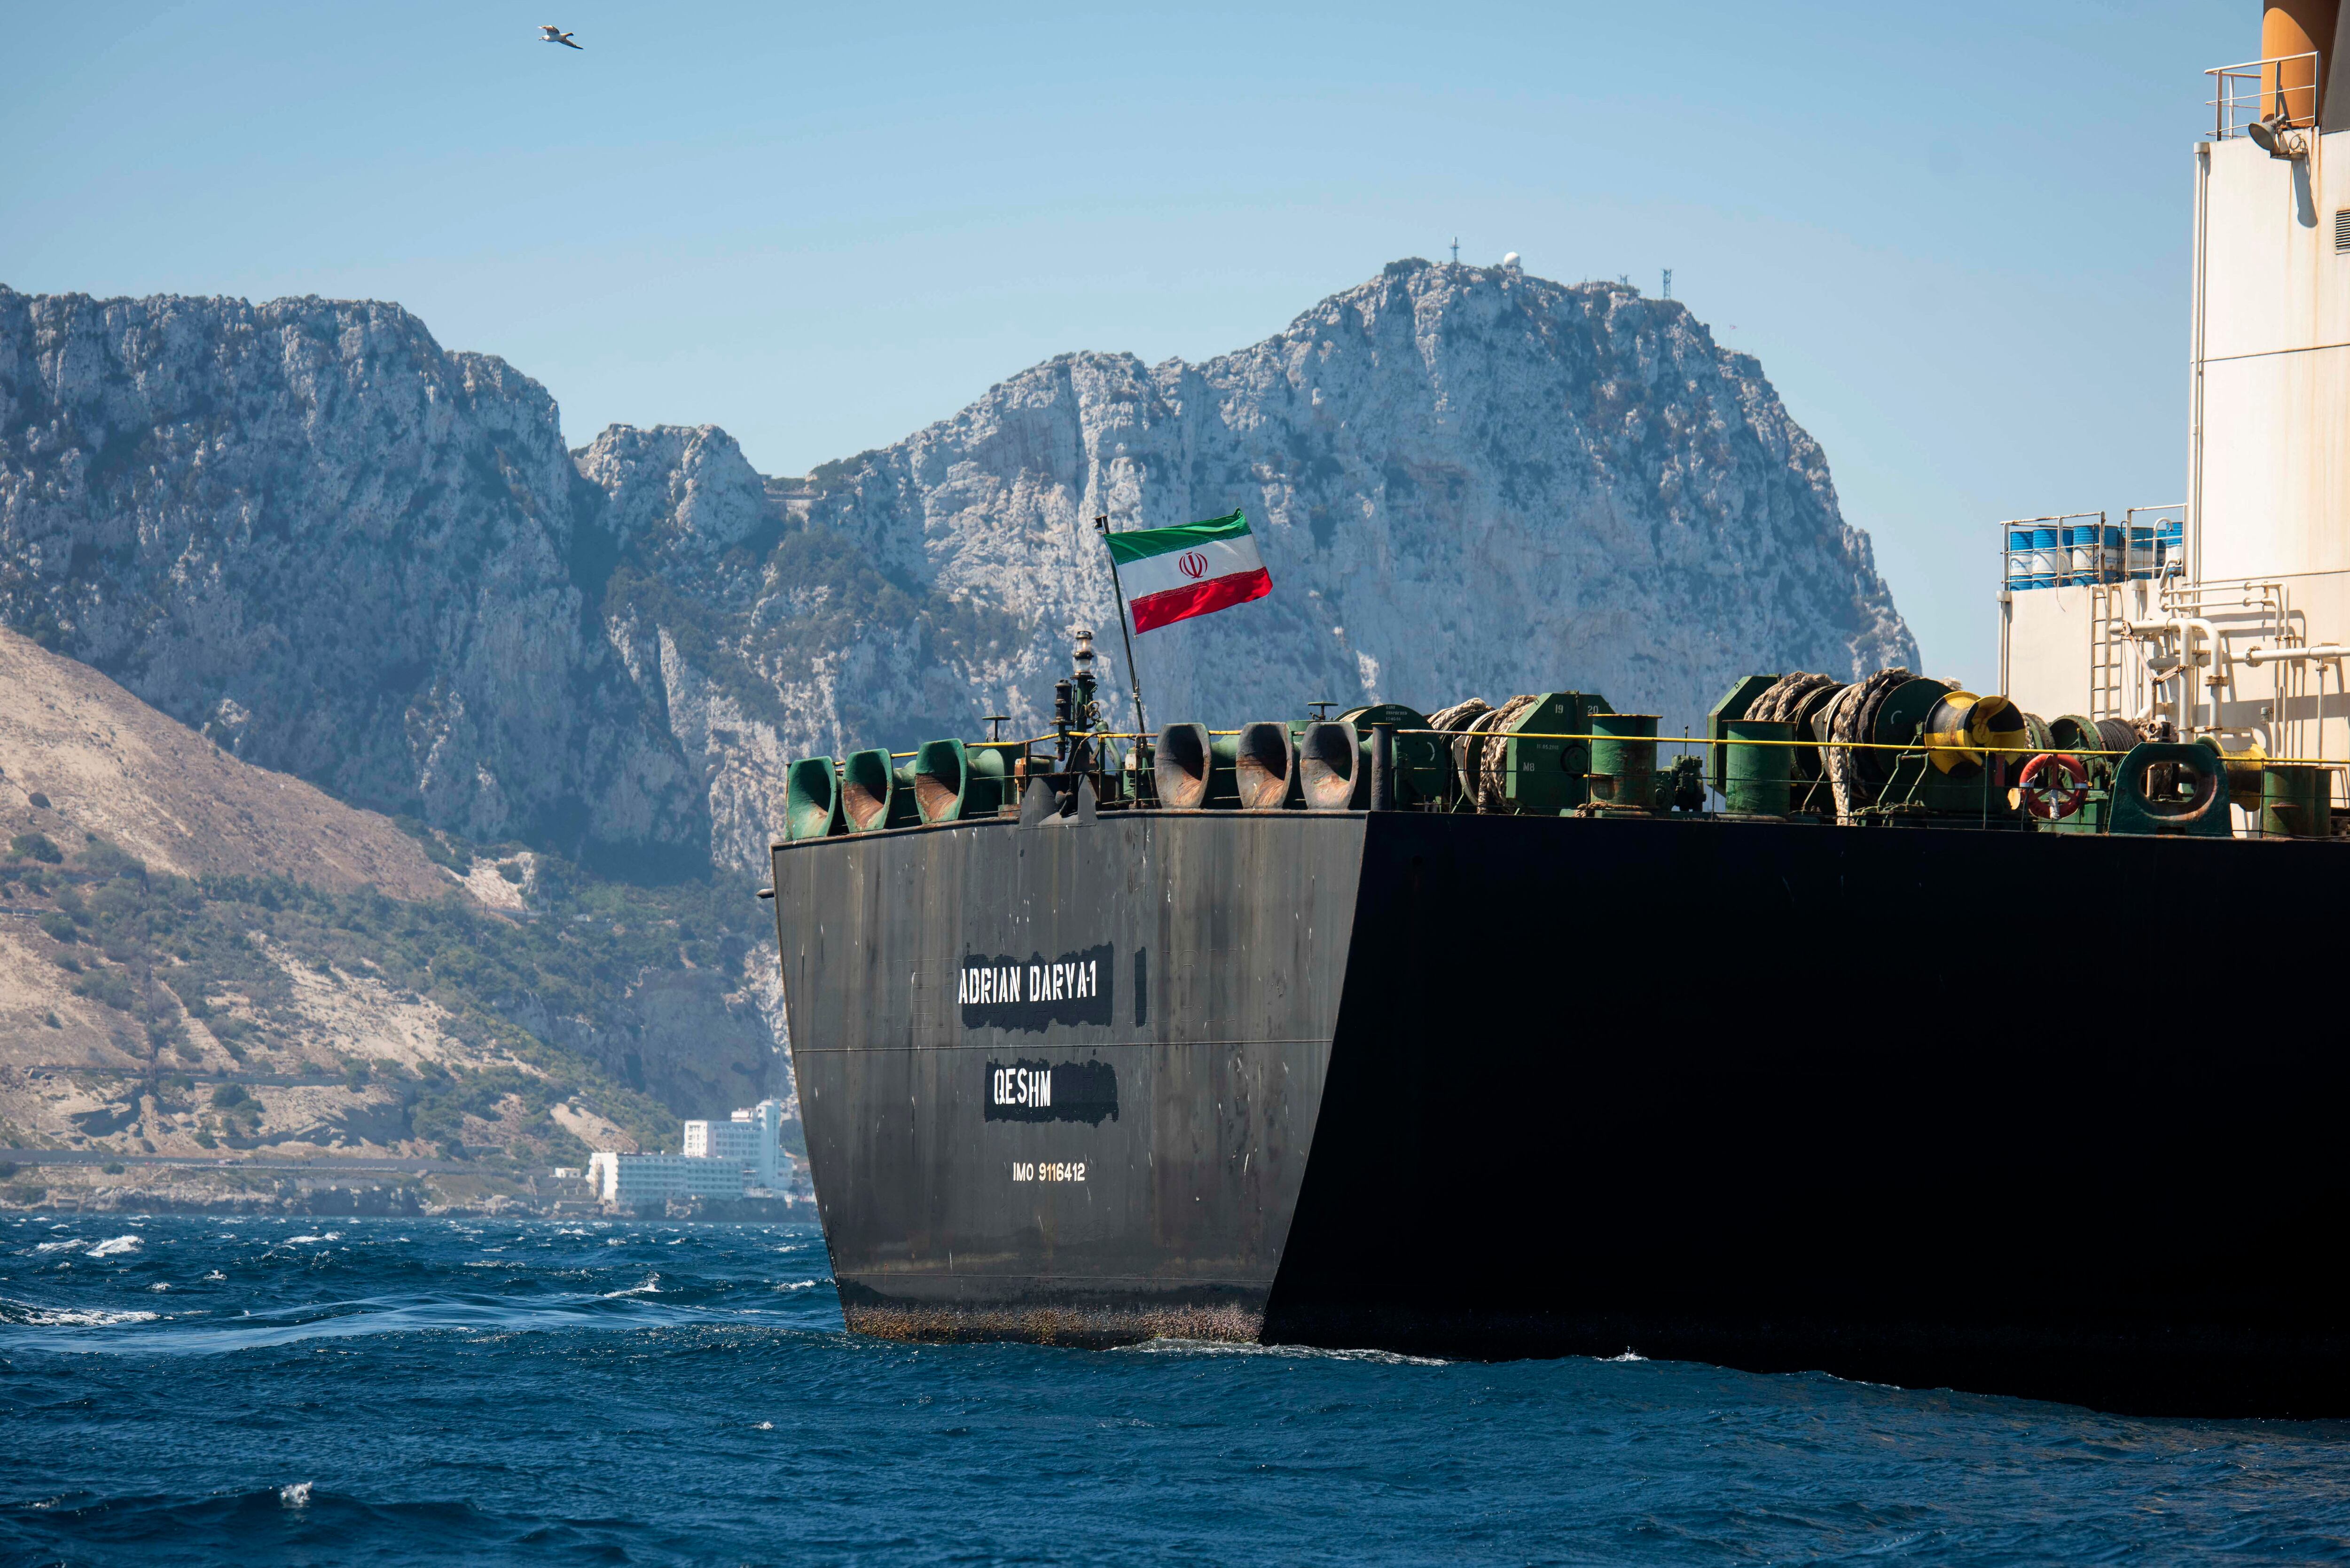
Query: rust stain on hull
1102	1327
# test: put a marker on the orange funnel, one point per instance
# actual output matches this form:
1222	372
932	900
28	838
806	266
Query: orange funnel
2296	28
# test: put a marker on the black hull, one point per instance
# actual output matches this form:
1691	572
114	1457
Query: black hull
1910	1105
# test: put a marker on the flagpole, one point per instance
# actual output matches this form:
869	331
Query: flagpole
1133	671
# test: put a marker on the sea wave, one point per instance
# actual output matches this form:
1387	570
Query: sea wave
31	1316
436	1313
146	1441
261	1524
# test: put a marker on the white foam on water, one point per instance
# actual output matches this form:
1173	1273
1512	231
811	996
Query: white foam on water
83	1317
295	1496
764	1426
652	1287
158	1285
216	1278
1629	1355
1297	1352
330	1236
114	1246
60	1246
798	1285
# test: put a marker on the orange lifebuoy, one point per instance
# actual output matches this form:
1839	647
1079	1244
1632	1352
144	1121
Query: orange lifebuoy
2059	796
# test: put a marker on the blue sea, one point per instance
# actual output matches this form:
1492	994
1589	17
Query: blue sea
179	1391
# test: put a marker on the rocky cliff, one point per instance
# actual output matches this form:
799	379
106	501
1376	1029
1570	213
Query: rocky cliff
355	556
307	531
1464	481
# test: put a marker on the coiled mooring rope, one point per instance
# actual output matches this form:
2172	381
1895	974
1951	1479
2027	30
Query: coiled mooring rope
1783	700
1481	757
1493	755
2120	734
1454	721
1852	717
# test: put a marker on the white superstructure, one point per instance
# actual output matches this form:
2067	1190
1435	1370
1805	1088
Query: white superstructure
2240	627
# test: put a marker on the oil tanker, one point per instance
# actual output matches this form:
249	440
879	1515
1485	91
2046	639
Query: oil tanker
1895	1031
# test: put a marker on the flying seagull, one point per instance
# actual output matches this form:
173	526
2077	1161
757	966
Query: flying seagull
548	33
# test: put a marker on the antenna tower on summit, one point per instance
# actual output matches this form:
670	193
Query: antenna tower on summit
1668	283
1456	250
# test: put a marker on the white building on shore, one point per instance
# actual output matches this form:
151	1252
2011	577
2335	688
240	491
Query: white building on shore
753	1138
722	1160
628	1180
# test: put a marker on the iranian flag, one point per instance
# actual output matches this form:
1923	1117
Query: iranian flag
1174	573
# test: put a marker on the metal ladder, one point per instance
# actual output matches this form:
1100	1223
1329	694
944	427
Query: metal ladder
2105	652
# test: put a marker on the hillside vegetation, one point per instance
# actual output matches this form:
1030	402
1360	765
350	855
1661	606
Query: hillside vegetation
245	1012
199	956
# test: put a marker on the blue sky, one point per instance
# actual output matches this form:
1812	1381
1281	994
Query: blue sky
1955	235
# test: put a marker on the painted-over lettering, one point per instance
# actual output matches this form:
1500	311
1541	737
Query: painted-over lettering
1035	1091
1035	993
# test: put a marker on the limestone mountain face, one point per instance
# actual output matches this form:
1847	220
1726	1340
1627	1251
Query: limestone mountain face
349	554
1464	481
305	530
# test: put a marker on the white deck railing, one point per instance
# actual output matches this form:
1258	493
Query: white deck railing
2254	90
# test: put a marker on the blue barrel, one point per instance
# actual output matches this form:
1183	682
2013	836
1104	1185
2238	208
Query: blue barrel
2048	558
2141	551
2109	553
2019	557
2081	564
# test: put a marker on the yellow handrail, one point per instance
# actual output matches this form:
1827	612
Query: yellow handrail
1687	742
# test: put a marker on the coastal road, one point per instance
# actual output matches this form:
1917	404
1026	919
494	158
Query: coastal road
157	1070
303	1167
